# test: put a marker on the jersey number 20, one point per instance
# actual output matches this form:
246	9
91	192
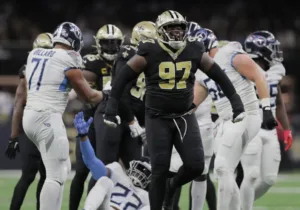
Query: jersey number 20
167	71
37	62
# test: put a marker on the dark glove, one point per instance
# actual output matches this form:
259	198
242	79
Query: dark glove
269	122
81	125
237	108
12	148
110	117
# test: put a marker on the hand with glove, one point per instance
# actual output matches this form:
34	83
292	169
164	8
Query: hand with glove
287	139
12	148
81	125
136	129
269	122
237	108
110	117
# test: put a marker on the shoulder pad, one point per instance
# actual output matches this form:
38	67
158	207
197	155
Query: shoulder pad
91	61
126	52
145	46
235	46
277	69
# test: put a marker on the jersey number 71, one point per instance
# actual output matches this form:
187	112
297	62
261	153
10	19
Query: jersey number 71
37	62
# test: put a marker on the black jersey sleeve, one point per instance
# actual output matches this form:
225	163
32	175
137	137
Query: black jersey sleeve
22	72
145	47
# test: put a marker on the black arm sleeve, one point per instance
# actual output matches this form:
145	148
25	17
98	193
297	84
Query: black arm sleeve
125	110
125	76
227	87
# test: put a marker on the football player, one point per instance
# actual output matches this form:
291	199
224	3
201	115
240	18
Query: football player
97	71
124	189
231	139
49	74
169	64
31	157
262	156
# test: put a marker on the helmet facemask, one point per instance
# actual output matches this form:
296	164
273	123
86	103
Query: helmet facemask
108	48
140	173
173	34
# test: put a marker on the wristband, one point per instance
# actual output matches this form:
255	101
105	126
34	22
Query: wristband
265	102
81	135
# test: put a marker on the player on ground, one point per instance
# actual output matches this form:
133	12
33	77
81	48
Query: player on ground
169	64
97	71
31	157
262	156
231	139
125	189
49	72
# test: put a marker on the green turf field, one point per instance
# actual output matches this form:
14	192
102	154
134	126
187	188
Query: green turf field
284	196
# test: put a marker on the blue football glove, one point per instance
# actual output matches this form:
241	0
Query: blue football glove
81	125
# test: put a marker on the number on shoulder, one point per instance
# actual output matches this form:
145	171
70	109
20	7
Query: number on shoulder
91	57
152	41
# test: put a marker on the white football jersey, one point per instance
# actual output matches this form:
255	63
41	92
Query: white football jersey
47	84
203	112
244	87
125	196
273	76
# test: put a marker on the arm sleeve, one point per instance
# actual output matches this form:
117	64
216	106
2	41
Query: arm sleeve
95	165
125	110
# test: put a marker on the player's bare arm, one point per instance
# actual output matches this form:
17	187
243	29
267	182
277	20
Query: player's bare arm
82	87
281	114
214	71
20	101
200	94
137	63
249	69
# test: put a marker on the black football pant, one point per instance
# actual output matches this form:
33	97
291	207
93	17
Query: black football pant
81	173
162	134
31	164
113	144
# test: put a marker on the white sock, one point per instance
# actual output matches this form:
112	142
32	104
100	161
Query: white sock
261	188
198	194
247	192
50	195
235	203
226	184
99	196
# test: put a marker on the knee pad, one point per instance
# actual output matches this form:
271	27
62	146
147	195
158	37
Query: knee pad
253	172
270	179
220	166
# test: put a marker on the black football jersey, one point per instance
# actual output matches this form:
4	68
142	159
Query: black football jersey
94	63
170	76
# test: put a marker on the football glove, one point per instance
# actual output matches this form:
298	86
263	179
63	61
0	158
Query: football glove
269	122
110	117
136	129
81	125
238	117
288	139
12	148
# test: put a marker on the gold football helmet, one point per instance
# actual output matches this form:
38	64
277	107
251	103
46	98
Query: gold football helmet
43	40
172	29
108	39
141	31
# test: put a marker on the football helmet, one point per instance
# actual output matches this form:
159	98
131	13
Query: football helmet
208	37
140	173
69	34
43	40
109	39
263	44
141	31
172	29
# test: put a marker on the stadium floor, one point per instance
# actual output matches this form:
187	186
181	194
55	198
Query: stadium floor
284	196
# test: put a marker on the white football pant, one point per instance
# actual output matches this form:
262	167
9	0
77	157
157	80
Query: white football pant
260	163
47	131
230	142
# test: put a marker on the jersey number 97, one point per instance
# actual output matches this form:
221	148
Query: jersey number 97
168	71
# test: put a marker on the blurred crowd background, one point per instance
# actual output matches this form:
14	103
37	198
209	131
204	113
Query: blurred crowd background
22	21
